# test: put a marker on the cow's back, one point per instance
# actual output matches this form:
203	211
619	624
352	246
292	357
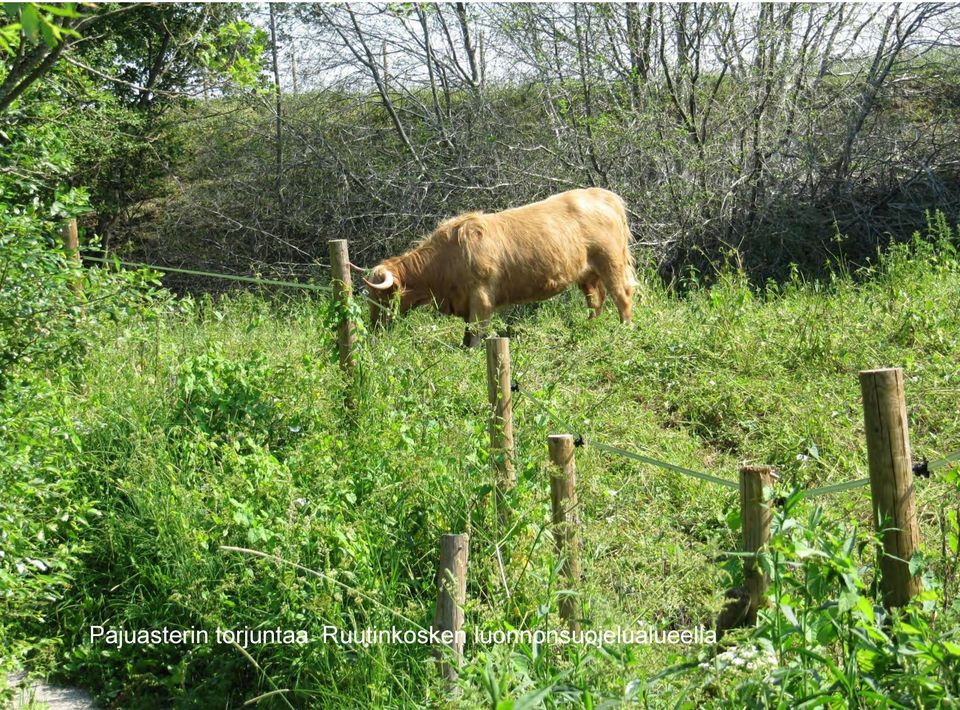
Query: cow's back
536	251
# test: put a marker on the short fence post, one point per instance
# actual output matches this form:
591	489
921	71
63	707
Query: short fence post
501	420
71	245
755	515
566	519
891	481
342	290
451	598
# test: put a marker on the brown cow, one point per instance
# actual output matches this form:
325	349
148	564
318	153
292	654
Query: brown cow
476	263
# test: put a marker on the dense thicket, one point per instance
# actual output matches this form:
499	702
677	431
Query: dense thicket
83	94
786	133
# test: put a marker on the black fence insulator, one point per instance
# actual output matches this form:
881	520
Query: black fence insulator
578	442
921	469
514	386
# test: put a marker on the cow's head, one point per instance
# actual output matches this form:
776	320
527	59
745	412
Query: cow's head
382	285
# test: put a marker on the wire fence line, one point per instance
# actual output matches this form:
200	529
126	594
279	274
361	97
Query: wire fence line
212	274
610	449
943	462
665	465
836	488
924	469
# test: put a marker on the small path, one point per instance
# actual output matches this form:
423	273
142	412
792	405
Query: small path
34	693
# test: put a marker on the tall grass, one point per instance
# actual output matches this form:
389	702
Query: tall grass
223	423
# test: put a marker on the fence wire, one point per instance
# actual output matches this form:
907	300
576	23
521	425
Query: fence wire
927	467
642	458
923	470
836	488
944	461
665	465
212	274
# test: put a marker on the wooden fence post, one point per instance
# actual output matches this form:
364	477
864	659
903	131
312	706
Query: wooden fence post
342	290
71	238
451	597
566	519
501	420
891	481
71	245
755	515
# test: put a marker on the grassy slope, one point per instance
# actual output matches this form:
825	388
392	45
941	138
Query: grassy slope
223	424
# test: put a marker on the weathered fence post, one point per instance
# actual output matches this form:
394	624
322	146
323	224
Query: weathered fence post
501	420
71	245
566	519
71	238
891	481
755	515
342	290
451	598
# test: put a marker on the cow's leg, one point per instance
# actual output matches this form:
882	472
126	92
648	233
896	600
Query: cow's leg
595	294
481	308
621	290
623	296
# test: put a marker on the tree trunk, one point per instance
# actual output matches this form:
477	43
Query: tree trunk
274	51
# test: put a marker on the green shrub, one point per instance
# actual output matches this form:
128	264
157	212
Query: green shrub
826	639
52	311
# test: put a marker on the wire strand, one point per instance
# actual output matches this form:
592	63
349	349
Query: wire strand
590	441
212	274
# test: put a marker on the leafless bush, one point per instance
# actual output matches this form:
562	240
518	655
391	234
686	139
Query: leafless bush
758	129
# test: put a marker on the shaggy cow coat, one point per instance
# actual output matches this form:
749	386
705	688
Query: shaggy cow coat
476	263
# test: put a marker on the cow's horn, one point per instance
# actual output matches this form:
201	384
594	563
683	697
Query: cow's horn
383	285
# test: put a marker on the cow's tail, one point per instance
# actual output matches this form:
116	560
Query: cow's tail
627	243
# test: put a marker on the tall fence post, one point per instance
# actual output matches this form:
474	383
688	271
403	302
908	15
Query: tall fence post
451	598
501	420
71	245
755	515
566	519
891	481
342	290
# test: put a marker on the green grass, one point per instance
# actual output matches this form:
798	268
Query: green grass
222	423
